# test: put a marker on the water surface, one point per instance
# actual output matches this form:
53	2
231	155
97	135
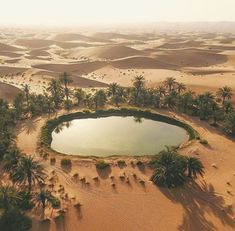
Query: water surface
115	135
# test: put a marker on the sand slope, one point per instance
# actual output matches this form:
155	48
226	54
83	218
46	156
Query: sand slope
192	57
5	47
4	70
78	68
8	92
141	63
107	52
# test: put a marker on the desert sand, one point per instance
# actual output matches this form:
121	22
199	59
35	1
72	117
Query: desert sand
203	61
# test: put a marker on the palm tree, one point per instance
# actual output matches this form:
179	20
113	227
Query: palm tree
55	89
194	167
170	100
138	83
100	98
65	79
186	100
112	90
26	93
170	82
225	93
44	198
161	90
18	105
80	95
204	104
227	107
229	123
180	87
9	198
11	158
28	170
169	168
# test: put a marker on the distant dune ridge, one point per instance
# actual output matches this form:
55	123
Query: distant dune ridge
107	52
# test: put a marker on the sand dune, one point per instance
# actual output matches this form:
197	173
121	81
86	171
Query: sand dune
180	45
5	70
141	63
107	52
77	81
78	68
77	37
38	52
34	43
5	47
113	35
84	82
192	57
12	60
43	43
9	54
8	92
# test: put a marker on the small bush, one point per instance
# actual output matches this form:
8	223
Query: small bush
53	161
65	162
139	163
204	142
121	162
101	164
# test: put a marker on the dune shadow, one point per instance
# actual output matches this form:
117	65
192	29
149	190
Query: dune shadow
198	201
104	173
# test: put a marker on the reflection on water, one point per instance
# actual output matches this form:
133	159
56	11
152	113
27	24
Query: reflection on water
115	135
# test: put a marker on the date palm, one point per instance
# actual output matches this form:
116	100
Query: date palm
9	198
180	87
26	93
44	198
11	158
194	167
169	168
80	95
112	90
225	93
28	171
65	79
56	90
170	83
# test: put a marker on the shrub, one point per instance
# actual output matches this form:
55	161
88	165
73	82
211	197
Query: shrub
53	161
65	162
204	142
101	164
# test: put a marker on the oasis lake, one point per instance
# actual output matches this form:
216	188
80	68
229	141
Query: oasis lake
115	135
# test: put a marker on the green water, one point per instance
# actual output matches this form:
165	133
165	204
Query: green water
115	135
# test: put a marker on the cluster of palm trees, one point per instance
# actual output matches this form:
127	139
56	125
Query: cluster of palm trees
217	108
22	194
172	169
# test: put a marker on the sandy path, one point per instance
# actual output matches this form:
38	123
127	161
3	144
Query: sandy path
134	207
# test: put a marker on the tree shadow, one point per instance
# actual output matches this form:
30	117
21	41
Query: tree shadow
197	201
104	173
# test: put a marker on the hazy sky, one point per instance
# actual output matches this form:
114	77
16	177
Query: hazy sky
106	11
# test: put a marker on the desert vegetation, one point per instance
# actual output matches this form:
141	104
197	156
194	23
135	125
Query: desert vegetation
172	170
